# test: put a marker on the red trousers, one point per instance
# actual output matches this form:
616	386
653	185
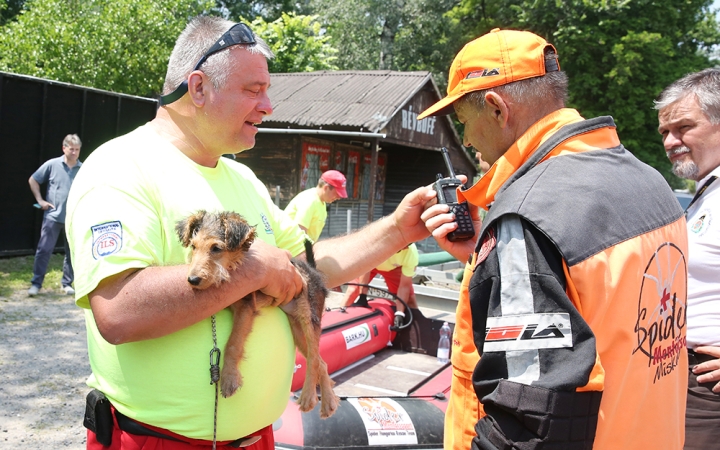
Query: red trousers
122	440
392	278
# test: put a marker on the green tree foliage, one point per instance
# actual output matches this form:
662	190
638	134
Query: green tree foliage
618	54
9	9
268	10
298	44
121	46
355	32
388	34
427	40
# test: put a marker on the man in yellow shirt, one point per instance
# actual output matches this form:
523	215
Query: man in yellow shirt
307	209
149	332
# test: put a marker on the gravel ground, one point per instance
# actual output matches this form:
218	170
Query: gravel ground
43	368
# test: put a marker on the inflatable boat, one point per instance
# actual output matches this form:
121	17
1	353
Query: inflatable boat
392	387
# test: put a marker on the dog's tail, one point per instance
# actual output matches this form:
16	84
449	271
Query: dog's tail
309	254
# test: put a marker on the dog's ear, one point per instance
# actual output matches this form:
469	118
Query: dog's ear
239	235
186	228
250	238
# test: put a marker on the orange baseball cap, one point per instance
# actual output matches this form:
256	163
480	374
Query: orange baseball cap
497	58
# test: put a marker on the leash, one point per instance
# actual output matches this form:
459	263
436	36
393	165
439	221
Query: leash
215	377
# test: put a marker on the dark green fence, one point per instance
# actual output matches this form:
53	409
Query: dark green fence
35	116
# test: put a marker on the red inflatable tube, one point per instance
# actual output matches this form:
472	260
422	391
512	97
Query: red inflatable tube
350	335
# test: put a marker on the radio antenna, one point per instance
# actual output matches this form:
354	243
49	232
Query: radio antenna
446	156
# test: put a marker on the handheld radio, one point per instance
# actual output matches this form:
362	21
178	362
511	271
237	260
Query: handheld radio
446	189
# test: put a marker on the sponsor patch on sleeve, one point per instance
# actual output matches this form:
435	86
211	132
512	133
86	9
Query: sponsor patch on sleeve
528	332
107	238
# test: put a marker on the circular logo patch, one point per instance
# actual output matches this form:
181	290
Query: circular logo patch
701	224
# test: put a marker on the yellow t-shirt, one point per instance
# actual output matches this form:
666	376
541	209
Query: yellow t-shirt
122	212
406	258
308	210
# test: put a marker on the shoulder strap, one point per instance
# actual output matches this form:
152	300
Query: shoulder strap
563	134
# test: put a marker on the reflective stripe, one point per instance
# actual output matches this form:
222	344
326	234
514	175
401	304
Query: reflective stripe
523	366
515	293
516	297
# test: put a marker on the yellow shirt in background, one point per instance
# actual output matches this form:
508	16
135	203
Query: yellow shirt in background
308	210
407	259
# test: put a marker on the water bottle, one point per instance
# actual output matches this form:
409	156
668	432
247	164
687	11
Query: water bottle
443	351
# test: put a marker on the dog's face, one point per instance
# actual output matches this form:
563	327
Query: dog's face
218	242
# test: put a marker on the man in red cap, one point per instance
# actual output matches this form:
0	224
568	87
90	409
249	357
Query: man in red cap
308	209
570	329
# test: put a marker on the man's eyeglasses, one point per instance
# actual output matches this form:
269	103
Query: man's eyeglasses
238	34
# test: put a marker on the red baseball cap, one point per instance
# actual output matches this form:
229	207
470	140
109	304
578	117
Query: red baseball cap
336	180
497	58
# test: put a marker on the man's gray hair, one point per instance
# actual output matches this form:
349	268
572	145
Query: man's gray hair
196	39
705	85
71	139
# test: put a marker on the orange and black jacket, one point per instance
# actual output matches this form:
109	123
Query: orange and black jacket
577	298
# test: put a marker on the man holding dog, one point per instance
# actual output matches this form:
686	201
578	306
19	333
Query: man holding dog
570	329
149	332
689	122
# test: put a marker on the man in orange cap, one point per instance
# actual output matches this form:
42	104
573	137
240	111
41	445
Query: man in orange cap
570	329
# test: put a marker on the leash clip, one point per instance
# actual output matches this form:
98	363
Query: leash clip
214	365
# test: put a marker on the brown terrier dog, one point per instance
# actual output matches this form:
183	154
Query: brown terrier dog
219	242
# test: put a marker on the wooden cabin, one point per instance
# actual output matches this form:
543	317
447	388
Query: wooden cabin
364	124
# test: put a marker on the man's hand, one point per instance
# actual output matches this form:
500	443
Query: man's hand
439	221
280	278
45	205
35	189
407	215
710	370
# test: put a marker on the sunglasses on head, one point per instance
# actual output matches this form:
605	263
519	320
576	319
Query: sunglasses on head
238	34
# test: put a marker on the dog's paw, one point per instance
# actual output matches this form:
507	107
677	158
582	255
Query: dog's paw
328	405
229	384
308	399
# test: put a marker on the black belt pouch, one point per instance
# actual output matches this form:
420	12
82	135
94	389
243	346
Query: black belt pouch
98	417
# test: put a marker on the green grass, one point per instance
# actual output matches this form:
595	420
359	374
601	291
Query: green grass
15	274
